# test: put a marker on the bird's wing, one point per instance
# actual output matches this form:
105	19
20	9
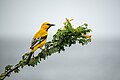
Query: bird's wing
36	41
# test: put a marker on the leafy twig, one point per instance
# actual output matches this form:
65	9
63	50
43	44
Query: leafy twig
63	38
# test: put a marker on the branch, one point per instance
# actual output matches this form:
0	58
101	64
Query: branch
63	38
7	74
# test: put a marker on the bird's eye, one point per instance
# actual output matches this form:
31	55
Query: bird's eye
49	24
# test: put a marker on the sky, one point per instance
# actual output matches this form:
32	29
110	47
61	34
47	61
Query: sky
99	60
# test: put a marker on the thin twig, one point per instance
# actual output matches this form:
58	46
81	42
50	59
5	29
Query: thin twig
10	72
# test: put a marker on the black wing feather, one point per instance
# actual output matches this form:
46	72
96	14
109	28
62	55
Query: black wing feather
37	41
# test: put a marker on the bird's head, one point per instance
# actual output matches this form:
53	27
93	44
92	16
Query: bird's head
47	25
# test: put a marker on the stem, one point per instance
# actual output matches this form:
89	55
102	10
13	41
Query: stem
10	72
29	57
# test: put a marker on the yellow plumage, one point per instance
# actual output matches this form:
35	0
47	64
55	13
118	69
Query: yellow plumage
40	37
39	34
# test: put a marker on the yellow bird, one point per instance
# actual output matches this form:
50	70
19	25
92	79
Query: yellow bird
39	39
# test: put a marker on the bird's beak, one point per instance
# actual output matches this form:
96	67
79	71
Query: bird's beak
52	25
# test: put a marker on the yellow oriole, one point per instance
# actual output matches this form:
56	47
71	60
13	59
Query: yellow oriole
39	39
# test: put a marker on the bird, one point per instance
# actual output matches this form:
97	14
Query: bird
39	39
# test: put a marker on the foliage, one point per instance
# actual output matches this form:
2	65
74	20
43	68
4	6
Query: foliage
63	38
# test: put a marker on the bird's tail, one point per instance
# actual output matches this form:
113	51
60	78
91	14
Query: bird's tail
29	57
